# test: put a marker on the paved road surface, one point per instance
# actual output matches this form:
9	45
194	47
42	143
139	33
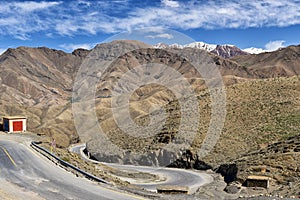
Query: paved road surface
170	176
24	174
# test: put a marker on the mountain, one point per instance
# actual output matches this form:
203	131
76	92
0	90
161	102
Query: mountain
262	101
282	62
37	83
225	51
197	45
228	51
253	50
38	74
201	45
247	111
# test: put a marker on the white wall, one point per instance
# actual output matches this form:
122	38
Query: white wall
17	120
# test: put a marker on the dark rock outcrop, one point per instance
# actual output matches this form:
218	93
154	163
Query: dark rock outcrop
81	52
228	171
190	160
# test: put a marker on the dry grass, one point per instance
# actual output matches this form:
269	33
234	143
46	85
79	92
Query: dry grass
259	112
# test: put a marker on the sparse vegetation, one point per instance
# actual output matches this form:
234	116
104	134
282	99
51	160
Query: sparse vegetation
263	103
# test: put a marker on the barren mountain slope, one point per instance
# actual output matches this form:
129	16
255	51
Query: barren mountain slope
146	97
283	62
228	51
41	76
259	112
263	113
37	83
251	107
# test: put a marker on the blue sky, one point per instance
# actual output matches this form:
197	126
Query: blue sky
66	25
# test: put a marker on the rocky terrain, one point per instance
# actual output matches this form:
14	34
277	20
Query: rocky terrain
224	51
283	62
37	83
262	102
281	161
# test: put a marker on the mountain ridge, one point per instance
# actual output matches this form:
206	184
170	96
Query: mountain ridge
43	78
223	50
262	99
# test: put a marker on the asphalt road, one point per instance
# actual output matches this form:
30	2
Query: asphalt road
24	174
169	176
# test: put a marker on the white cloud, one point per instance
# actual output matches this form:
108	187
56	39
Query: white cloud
214	15
170	3
274	45
162	35
84	3
22	19
72	47
29	6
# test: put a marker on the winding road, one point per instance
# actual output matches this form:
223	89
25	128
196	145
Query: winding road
169	176
24	174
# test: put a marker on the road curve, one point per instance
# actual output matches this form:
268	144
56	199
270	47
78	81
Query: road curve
169	176
24	174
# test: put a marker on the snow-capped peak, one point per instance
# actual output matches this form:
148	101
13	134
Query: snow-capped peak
253	50
197	45
161	46
202	45
225	51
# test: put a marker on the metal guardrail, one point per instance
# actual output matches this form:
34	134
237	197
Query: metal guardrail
66	164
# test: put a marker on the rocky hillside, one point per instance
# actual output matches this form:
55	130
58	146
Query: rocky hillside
252	105
227	51
37	83
262	101
280	161
37	76
149	96
283	62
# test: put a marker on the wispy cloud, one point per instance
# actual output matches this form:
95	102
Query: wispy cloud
72	47
29	6
170	3
162	35
22	19
274	45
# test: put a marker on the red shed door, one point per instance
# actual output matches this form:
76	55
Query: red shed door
18	126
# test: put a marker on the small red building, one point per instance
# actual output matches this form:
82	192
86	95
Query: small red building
14	124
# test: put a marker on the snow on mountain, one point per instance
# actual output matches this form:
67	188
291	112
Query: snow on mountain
197	45
225	51
228	51
253	50
178	46
202	45
161	46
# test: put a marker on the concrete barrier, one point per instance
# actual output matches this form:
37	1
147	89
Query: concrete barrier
172	189
66	164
